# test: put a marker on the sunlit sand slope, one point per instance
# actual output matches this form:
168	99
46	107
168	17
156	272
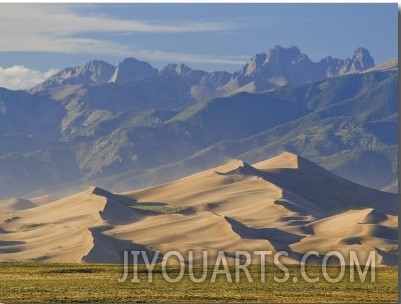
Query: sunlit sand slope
285	203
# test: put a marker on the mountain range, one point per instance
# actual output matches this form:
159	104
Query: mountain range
280	66
131	126
285	203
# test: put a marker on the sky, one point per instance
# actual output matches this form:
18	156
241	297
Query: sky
38	40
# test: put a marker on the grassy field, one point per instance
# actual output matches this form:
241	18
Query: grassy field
39	282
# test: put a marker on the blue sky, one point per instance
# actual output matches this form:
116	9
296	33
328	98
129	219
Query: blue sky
38	39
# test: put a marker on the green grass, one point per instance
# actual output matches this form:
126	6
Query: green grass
163	209
159	208
190	111
39	282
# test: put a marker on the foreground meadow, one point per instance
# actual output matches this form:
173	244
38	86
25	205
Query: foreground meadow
40	282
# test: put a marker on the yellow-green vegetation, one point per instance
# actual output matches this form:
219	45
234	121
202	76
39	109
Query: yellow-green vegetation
157	208
40	282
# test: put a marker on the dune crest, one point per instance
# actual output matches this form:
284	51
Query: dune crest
284	160
283	203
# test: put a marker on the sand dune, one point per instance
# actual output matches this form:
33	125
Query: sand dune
284	203
14	204
41	200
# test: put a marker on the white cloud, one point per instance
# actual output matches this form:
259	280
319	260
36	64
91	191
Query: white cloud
19	77
62	20
55	28
185	57
60	28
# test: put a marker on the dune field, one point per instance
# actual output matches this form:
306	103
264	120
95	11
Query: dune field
285	203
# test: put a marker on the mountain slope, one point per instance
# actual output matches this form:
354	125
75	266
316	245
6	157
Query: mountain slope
278	204
93	72
348	125
22	113
152	128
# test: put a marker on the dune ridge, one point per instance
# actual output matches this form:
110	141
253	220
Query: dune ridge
283	203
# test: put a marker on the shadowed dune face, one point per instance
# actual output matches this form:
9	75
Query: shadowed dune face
284	203
107	249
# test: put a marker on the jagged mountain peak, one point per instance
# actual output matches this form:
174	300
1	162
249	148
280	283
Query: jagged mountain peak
362	53
95	64
132	69
277	67
93	72
99	71
275	61
289	66
254	65
359	61
176	69
283	53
